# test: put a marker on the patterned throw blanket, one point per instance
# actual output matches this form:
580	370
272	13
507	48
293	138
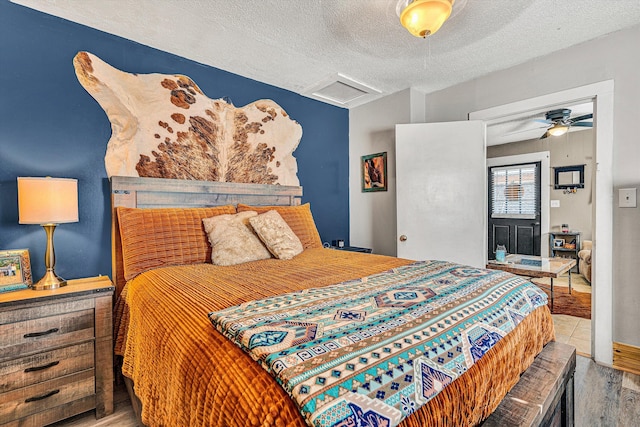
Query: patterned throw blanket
371	351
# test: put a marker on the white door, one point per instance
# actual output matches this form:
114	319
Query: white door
441	192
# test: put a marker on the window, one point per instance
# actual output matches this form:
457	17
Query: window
514	192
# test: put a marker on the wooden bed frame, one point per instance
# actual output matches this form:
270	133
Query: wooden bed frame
544	394
134	192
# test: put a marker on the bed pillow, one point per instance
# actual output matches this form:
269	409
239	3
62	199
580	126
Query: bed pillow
233	240
276	235
168	236
298	218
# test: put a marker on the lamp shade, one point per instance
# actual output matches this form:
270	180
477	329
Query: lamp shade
47	200
424	17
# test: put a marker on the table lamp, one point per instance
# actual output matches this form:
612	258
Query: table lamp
48	202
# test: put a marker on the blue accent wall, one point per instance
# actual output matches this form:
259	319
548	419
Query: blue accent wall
50	126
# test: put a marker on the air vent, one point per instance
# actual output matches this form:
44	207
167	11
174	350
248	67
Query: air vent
342	91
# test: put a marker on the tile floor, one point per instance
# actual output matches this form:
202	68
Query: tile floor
575	331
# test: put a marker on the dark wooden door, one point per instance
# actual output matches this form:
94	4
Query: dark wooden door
514	209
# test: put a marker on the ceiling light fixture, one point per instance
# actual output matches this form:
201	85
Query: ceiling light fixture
423	18
558	129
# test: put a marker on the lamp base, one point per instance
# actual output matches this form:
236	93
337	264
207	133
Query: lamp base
49	281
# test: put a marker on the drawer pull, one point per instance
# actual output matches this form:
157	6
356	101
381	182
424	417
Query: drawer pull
39	334
42	396
40	368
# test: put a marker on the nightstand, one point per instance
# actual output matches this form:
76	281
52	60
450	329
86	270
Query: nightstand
352	249
56	352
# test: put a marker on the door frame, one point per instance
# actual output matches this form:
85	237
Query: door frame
601	94
545	191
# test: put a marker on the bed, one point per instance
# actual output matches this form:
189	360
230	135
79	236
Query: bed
180	370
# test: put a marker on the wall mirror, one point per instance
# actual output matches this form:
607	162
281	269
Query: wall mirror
569	177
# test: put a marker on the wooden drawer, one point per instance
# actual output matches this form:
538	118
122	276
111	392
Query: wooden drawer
43	396
29	370
39	334
56	353
36	309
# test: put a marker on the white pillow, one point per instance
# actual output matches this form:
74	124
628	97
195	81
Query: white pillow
233	240
277	236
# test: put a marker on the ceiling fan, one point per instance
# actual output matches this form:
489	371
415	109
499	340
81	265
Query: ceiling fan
561	120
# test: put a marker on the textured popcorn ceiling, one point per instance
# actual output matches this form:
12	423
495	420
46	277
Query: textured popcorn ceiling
296	44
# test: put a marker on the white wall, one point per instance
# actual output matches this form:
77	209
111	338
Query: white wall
372	130
614	57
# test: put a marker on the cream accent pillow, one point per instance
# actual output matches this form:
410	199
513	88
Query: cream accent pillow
233	240
274	232
298	217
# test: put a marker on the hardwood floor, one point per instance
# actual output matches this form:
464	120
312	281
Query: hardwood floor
604	397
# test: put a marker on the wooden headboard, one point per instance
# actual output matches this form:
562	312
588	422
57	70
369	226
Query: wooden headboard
134	192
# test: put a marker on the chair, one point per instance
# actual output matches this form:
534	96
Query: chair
584	260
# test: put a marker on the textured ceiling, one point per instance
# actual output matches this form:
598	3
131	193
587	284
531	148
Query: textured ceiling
298	44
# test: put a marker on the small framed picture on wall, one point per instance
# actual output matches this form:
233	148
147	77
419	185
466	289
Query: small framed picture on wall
374	172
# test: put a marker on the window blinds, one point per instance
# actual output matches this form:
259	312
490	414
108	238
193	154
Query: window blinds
514	192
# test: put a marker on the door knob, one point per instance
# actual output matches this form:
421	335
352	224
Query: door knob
403	238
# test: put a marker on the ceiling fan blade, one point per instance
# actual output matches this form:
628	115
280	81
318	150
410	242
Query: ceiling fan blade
544	135
543	121
525	130
583	124
579	118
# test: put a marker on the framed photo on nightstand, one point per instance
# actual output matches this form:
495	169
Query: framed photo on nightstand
15	270
558	243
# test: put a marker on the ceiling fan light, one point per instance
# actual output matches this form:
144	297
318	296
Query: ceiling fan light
558	129
424	17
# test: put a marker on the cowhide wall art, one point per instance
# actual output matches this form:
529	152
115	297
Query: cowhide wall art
163	126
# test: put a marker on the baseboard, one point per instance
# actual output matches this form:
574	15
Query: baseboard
626	357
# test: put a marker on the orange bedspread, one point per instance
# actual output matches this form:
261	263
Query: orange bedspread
187	374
